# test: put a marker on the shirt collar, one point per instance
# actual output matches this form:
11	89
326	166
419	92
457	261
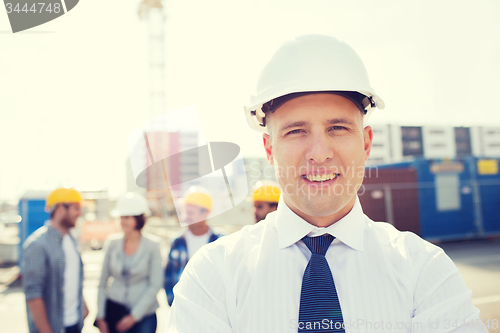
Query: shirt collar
53	232
291	228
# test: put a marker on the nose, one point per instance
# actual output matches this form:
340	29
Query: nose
320	149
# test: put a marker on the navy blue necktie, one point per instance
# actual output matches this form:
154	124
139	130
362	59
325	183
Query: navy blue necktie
319	305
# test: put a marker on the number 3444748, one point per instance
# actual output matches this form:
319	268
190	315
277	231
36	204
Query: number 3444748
36	8
489	323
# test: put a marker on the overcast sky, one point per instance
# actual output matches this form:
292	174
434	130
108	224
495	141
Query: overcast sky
73	89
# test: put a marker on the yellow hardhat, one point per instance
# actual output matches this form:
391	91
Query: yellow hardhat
267	191
63	195
198	197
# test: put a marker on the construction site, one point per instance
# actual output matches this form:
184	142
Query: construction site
437	179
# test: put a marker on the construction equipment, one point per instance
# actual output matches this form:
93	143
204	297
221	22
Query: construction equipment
198	197
63	195
266	191
132	204
308	64
153	12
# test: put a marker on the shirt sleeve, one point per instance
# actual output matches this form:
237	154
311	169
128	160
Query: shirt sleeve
442	301
155	284
199	304
171	274
103	282
34	264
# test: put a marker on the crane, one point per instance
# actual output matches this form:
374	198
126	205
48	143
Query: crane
153	12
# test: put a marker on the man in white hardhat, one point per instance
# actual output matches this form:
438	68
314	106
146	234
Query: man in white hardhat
197	207
319	264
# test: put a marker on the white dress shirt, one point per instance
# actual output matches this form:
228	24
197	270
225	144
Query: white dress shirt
71	278
386	280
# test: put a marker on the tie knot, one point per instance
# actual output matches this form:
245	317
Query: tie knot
320	244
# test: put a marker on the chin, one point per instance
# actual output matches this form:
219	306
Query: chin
320	207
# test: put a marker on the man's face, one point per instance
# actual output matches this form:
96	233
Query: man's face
194	214
71	213
318	135
261	209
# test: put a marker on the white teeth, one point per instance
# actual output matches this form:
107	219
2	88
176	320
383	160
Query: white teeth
321	178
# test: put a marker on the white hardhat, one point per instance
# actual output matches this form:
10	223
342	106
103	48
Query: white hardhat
132	204
312	63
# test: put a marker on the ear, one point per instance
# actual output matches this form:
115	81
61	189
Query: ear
269	148
368	139
56	212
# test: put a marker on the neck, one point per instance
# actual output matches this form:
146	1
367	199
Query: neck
200	229
132	236
324	221
57	225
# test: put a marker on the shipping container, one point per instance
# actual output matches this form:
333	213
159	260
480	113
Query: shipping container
438	199
33	215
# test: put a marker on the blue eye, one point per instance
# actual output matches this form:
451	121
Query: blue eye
294	131
338	128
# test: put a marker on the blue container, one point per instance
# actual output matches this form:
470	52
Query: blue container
488	184
446	199
32	210
457	198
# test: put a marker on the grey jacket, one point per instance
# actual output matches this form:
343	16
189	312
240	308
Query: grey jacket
42	265
145	281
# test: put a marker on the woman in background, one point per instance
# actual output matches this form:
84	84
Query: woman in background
133	260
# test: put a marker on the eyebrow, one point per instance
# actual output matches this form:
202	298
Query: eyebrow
340	121
294	124
331	121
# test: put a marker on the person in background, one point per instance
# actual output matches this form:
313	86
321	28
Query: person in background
133	261
197	207
266	195
52	269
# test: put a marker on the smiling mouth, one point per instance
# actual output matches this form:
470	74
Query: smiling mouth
321	178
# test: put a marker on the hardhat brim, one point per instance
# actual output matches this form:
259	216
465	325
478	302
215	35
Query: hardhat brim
252	110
